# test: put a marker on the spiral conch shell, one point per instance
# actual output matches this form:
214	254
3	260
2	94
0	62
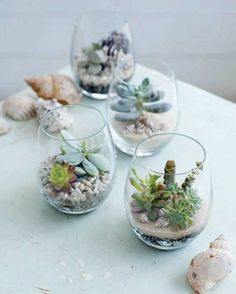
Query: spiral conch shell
210	266
56	86
20	107
4	127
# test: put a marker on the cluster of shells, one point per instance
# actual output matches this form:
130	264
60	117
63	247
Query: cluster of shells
54	91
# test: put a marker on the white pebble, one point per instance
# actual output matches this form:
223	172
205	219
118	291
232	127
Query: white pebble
86	276
106	275
81	263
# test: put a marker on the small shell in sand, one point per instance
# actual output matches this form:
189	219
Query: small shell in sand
210	266
56	86
20	107
54	120
4	127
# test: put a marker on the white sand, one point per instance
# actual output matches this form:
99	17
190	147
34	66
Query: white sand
169	232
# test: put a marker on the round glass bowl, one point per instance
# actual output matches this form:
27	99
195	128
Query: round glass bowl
142	106
168	194
101	40
76	158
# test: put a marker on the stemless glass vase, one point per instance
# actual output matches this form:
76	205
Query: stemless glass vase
168	193
76	164
101	40
144	105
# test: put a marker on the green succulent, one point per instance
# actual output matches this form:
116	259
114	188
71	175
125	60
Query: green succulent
61	176
132	101
179	203
78	154
181	212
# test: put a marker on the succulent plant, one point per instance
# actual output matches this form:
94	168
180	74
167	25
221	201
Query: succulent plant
180	203
61	176
132	101
78	155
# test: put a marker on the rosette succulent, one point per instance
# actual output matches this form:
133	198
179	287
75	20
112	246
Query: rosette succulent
178	203
78	155
61	176
133	101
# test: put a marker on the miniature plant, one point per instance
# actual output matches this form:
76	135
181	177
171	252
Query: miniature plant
179	203
133	101
61	176
78	155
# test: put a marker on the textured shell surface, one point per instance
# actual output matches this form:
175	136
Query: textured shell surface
56	86
4	127
210	266
20	107
55	120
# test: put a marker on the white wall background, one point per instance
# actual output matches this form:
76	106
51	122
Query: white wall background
198	38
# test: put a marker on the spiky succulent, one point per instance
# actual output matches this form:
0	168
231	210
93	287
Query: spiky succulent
78	154
179	203
132	101
61	176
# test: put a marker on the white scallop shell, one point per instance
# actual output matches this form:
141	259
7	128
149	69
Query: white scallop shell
55	120
210	266
4	127
20	107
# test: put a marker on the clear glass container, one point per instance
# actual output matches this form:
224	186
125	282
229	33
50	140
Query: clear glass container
76	164
100	41
168	194
144	105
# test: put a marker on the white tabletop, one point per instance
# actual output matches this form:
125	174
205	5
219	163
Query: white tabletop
43	248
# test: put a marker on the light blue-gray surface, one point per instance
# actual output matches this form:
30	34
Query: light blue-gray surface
42	248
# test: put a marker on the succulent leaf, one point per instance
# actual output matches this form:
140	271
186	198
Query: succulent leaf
99	161
94	69
97	57
79	171
124	91
73	158
158	107
90	168
121	107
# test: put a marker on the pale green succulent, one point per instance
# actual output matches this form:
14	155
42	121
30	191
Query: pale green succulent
78	155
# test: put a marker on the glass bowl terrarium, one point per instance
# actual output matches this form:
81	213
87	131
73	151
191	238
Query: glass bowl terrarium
76	164
101	40
142	106
168	193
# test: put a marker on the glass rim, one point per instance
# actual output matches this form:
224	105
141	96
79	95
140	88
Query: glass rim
140	61
137	157
96	11
104	123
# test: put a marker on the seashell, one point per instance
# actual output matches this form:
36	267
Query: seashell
55	86
55	120
161	212
4	127
161	222
210	266
20	107
142	218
